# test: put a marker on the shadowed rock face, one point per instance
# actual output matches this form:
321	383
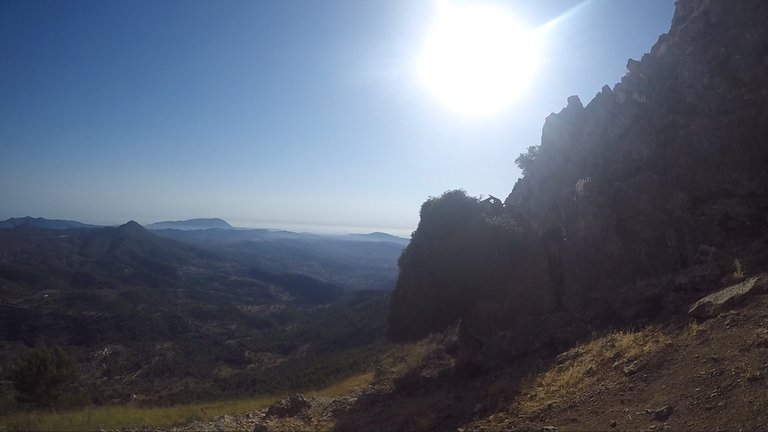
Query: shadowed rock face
660	173
669	161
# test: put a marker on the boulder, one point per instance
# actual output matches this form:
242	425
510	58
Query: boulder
720	301
290	406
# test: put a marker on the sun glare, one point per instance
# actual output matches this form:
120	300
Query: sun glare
477	58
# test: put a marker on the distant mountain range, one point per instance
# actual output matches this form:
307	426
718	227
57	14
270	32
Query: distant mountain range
191	224
351	261
195	225
131	256
166	311
348	261
39	222
379	236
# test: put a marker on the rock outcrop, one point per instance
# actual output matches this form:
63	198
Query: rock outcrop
720	301
291	406
660	179
667	162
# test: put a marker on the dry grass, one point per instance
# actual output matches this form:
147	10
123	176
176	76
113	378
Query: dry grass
403	358
112	417
693	327
345	386
635	344
600	359
738	271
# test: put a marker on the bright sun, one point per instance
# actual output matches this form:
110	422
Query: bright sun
477	59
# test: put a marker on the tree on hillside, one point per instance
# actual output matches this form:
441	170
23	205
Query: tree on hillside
43	377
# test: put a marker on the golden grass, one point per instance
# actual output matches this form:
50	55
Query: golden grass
113	417
599	359
634	344
401	358
344	386
693	327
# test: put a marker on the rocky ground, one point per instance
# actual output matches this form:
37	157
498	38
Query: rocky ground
706	373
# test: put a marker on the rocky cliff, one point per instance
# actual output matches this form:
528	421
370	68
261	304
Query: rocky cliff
666	166
657	188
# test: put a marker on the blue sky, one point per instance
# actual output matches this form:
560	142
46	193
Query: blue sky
270	113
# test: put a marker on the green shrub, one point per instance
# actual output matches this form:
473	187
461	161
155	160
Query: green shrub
526	160
46	378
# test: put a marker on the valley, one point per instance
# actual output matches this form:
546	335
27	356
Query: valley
622	284
157	322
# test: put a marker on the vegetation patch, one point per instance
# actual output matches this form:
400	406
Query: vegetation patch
345	386
608	360
109	417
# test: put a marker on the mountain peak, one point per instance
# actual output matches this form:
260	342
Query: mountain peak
191	224
132	226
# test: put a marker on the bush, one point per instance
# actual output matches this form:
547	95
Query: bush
45	378
526	160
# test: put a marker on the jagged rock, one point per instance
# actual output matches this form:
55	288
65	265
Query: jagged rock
632	368
662	172
718	302
291	406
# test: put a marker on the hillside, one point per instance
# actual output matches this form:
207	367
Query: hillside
620	286
630	210
622	283
352	262
158	321
662	174
708	375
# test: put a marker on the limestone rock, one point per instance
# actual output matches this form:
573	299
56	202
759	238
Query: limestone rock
720	301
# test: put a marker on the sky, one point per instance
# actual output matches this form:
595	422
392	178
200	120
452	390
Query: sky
285	114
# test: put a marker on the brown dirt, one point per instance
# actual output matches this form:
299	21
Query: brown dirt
707	375
712	374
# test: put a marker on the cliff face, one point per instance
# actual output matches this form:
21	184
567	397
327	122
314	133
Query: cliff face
667	166
659	185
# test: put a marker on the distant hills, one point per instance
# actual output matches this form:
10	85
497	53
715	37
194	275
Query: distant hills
130	257
379	236
194	225
167	311
351	262
191	224
39	222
